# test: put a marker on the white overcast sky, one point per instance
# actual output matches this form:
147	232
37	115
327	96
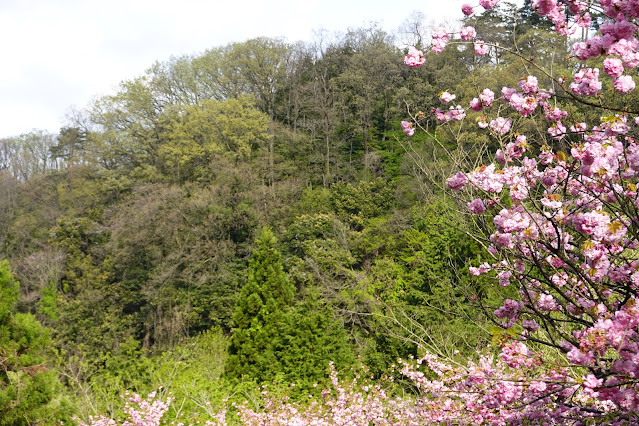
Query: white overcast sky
58	54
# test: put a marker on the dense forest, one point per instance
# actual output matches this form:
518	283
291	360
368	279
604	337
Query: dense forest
243	216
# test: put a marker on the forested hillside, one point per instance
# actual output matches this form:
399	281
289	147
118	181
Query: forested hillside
244	216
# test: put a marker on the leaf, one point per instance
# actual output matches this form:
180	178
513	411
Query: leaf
14	377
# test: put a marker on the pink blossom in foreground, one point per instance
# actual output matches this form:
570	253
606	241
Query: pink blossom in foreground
586	82
457	181
467	9
578	127
557	130
554	114
613	67
500	125
530	325
480	48
467	33
588	49
563	235
408	128
414	58
457	113
507	93
476	104
481	269
477	206
584	20
139	412
512	151
446	97
440	40
454	113
487	97
529	84
624	84
488	4
525	105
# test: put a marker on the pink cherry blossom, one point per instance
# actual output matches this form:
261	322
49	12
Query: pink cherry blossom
488	4
408	128
457	181
500	125
476	104
414	58
557	130
586	82
139	412
530	325
480	48
446	97
507	93
468	33
440	40
554	114
613	67
481	269
457	113
624	84
467	9
487	97
477	206
529	85
525	105
563	224
584	20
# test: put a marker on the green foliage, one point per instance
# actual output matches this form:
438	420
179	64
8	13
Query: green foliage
47	306
260	314
314	200
355	203
193	134
192	373
9	292
126	367
29	391
303	235
313	337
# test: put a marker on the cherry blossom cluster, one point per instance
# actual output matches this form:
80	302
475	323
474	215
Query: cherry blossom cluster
138	411
616	41
508	390
414	58
440	40
567	237
346	402
454	113
564	231
408	128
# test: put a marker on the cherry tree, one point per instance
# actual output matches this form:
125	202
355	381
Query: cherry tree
561	228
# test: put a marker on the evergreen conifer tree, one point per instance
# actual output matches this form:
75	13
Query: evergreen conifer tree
260	315
313	338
